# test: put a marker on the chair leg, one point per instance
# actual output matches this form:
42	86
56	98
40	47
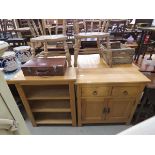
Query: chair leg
144	49
68	56
98	46
45	49
76	51
150	58
33	49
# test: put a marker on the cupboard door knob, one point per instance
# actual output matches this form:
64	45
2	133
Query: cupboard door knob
125	92
95	92
108	110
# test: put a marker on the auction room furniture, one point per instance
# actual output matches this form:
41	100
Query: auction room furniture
118	28
85	35
47	100
52	26
107	95
11	33
145	42
40	37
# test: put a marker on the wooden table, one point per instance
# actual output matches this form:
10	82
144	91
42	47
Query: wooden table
47	100
107	95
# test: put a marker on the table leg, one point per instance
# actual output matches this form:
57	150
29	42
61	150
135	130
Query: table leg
76	51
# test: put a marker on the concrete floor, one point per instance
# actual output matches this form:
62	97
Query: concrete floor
69	130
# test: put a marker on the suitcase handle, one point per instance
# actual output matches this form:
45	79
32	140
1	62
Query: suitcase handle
41	72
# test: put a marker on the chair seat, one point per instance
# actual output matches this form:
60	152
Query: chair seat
22	29
92	35
59	37
12	40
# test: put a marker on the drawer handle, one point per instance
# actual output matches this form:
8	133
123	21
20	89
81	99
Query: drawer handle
125	92
94	92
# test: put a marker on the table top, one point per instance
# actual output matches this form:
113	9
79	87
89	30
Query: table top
18	77
91	34
91	69
147	28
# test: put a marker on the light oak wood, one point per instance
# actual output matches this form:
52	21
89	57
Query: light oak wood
117	91
95	91
81	35
50	106
46	92
119	110
53	121
49	99
125	91
93	109
25	102
72	103
39	33
93	70
70	75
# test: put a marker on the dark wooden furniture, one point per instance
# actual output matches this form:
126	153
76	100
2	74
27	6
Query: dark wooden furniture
118	28
10	33
144	42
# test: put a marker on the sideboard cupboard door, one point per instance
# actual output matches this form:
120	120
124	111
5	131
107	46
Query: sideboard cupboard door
118	110
93	110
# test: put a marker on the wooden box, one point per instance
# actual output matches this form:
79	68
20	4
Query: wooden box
122	55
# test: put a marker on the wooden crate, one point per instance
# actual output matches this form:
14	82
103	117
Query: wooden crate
123	55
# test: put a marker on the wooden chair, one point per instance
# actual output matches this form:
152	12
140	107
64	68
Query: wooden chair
102	33
52	26
36	27
93	25
118	28
9	32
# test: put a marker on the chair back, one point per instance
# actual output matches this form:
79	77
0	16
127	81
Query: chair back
91	25
36	27
54	26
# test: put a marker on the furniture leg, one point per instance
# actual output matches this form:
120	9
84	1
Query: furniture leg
108	42
45	49
98	46
150	58
138	51
33	49
76	52
68	56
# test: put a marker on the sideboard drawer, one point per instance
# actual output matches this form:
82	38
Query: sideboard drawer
125	91
94	91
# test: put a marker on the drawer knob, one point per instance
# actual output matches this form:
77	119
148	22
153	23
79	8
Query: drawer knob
94	92
125	92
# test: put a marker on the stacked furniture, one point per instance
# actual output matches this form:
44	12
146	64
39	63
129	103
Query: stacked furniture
40	37
85	35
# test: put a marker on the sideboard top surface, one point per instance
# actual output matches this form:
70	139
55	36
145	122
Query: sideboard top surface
70	75
92	69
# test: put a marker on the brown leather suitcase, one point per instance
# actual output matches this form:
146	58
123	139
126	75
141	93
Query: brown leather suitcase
45	67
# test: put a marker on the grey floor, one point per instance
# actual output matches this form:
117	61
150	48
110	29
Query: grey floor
69	130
